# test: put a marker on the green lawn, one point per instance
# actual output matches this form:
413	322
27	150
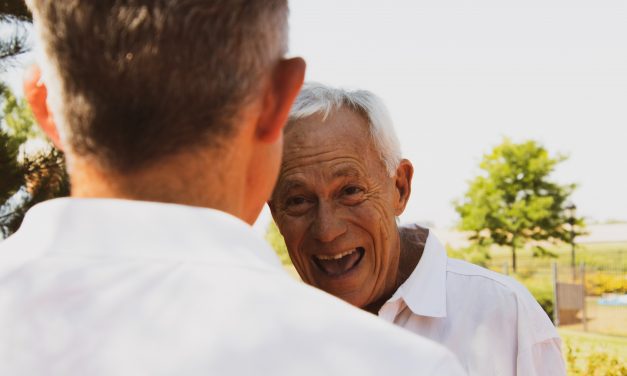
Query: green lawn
608	255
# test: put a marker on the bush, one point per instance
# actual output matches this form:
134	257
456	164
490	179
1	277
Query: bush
596	363
600	283
543	292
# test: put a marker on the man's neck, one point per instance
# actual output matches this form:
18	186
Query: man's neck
412	245
413	240
195	180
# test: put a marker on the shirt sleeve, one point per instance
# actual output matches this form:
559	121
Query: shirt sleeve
542	359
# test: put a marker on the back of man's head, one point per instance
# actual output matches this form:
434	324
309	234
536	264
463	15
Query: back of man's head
132	81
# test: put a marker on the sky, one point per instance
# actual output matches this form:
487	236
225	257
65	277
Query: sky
459	76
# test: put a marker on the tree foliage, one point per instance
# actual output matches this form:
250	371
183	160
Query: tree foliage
26	179
16	9
514	201
13	15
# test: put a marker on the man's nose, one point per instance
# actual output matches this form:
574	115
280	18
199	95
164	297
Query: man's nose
328	225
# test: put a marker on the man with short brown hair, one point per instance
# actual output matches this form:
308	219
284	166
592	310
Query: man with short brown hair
171	116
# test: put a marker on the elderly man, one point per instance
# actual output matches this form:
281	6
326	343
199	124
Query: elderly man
171	115
341	186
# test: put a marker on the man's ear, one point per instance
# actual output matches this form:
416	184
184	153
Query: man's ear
404	174
36	95
285	84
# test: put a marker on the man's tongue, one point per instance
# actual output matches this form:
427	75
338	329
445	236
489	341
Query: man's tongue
335	267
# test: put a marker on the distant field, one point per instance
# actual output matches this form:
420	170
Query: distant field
603	255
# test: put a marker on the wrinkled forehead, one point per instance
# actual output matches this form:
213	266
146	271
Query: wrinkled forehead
343	130
320	150
320	176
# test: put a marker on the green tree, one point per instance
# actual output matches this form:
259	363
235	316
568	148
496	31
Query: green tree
38	177
13	15
514	201
25	179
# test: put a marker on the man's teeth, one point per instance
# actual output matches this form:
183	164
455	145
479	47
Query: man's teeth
336	257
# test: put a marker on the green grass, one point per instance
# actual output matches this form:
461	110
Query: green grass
590	342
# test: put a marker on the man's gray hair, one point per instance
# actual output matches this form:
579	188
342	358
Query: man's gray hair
133	81
316	98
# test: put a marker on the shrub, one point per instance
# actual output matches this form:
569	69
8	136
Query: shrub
596	363
543	292
600	283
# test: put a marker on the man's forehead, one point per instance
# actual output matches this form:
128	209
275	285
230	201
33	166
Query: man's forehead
332	169
332	129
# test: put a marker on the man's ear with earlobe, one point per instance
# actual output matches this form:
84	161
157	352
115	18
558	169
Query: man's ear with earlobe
36	95
285	84
404	174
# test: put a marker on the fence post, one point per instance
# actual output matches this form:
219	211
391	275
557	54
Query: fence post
556	315
505	268
584	312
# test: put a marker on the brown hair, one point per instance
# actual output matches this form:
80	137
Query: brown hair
141	79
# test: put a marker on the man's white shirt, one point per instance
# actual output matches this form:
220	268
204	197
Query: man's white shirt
490	321
115	287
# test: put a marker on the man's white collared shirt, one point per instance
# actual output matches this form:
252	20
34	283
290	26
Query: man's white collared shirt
115	287
490	321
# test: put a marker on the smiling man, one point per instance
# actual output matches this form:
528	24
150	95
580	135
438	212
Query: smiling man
341	187
334	160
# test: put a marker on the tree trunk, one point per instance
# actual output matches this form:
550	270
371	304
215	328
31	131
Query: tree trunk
514	257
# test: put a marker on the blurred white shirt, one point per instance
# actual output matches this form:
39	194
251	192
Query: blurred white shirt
114	287
490	321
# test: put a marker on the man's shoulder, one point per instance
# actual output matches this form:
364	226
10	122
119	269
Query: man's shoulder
205	310
485	281
356	328
489	277
358	332
492	289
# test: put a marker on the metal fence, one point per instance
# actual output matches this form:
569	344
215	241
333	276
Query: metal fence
601	292
590	298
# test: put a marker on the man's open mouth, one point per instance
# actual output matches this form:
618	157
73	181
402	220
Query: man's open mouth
340	263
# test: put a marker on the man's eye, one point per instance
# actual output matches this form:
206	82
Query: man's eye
295	201
352	190
297	205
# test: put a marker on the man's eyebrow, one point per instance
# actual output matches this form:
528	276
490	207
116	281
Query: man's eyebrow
289	184
347	172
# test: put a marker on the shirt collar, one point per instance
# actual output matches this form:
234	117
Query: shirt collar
140	229
424	292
